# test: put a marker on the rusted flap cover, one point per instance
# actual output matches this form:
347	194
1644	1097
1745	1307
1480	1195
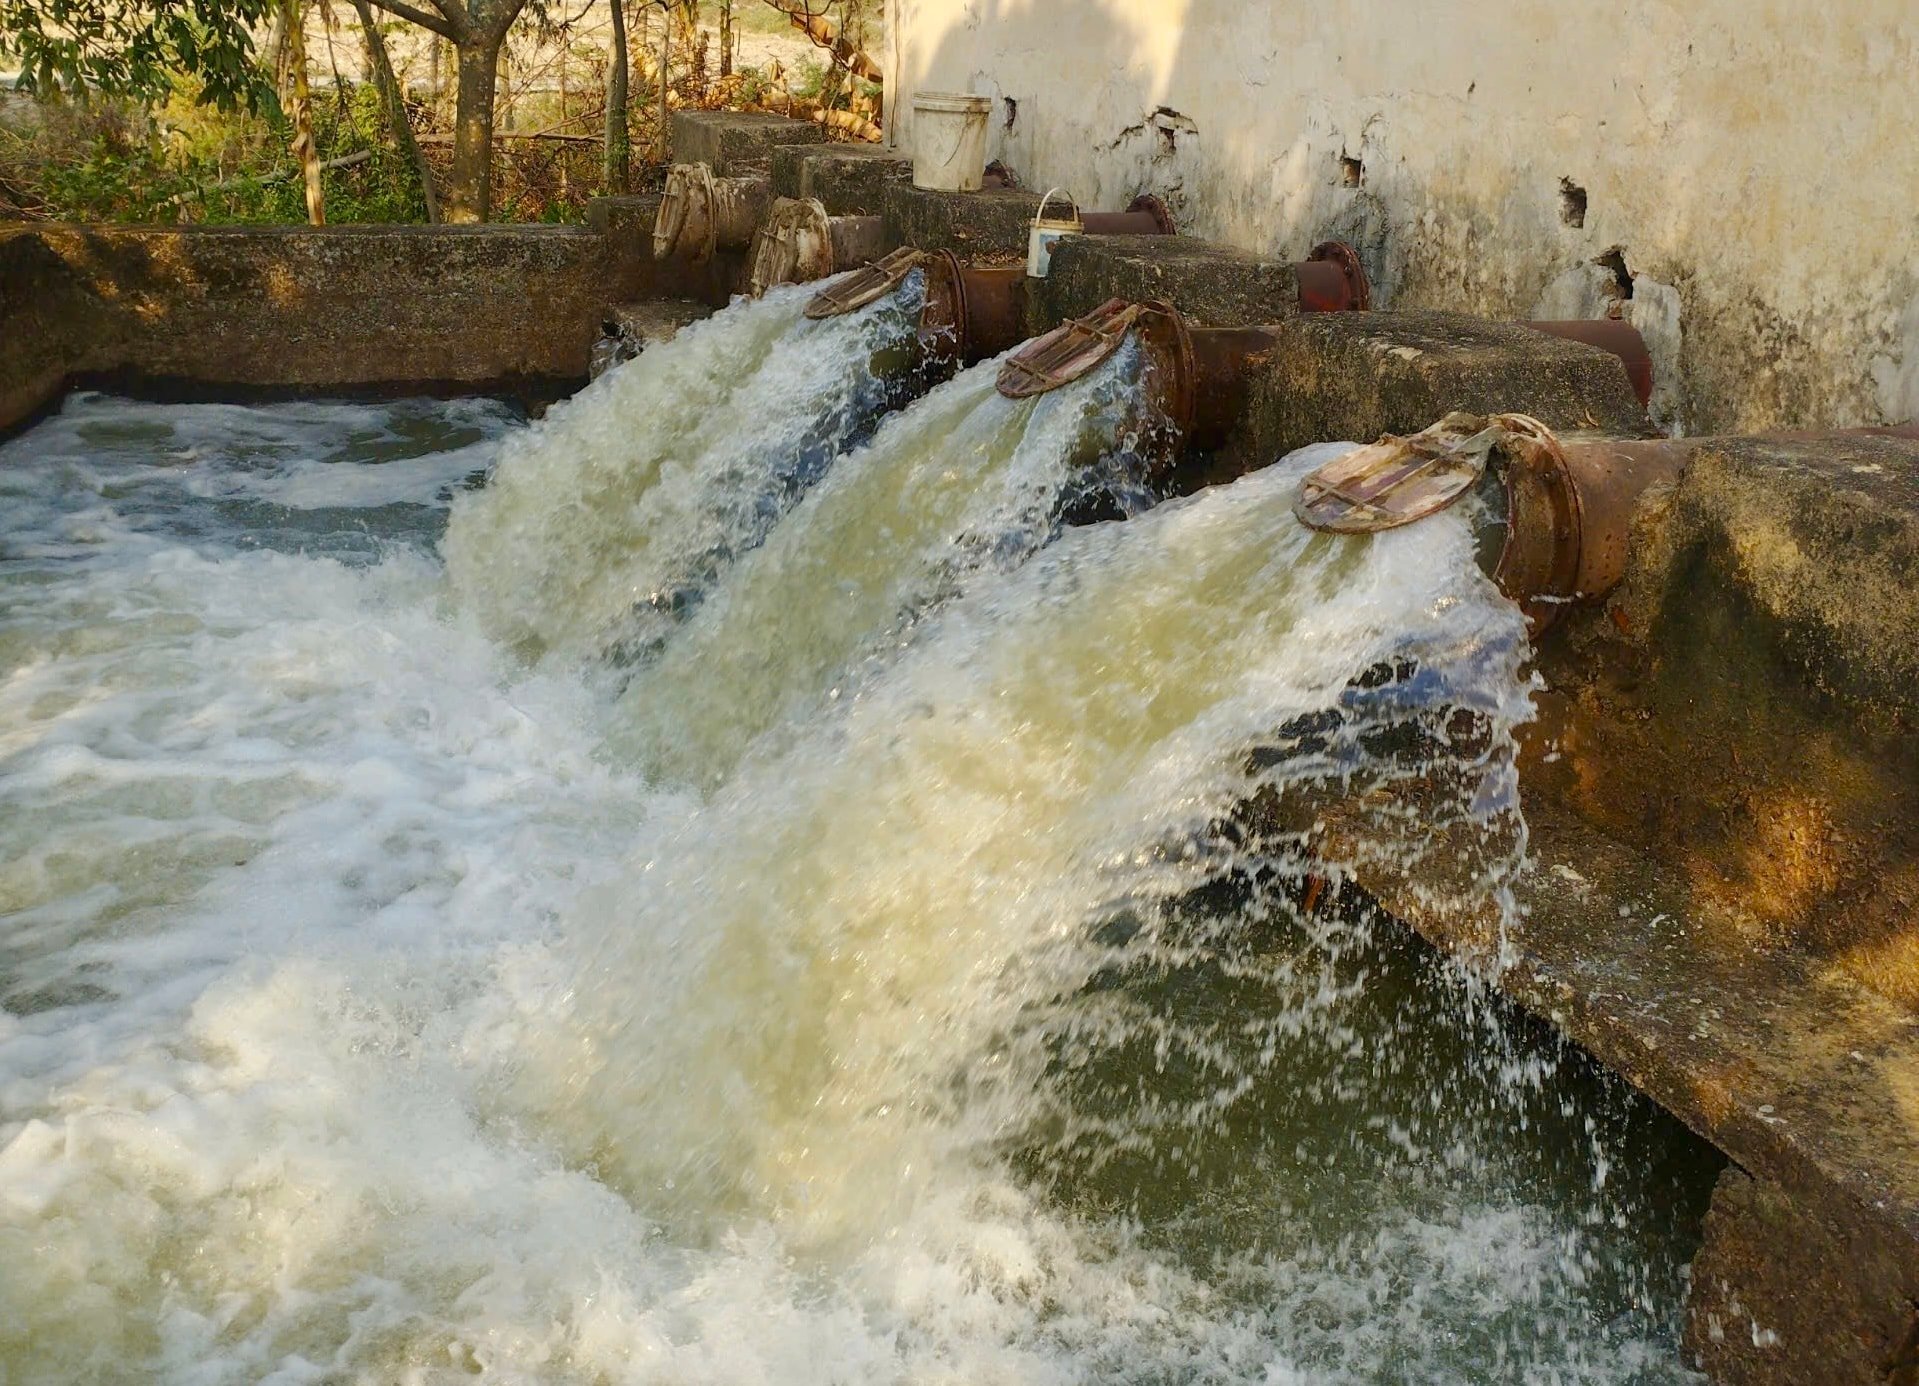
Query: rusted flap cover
865	285
1398	480
1067	352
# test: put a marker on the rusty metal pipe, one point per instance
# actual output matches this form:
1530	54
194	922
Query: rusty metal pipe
1224	359
972	312
1569	516
1571	505
1146	216
1333	280
1621	339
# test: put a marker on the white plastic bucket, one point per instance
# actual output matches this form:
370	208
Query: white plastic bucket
1046	231
949	140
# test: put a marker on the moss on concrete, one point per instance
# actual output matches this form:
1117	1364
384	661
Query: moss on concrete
1213	285
849	180
733	143
985	227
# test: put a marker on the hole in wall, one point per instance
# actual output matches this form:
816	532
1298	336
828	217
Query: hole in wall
1170	124
1572	203
1012	111
1352	172
1614	262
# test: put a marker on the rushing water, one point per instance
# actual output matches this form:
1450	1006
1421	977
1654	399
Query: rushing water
378	1003
612	516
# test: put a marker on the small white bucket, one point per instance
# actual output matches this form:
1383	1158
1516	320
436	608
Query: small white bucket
1046	232
949	140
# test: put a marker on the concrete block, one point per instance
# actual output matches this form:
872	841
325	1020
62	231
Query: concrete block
848	179
1783	1292
1213	285
1821	535
983	227
224	311
1356	376
733	143
650	323
628	220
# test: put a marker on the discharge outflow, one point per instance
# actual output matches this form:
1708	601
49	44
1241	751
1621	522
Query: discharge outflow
364	1017
608	520
965	482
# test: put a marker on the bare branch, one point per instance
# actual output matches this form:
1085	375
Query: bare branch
434	23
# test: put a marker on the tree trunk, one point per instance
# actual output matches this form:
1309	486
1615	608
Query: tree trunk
619	165
469	192
666	84
726	38
395	102
303	147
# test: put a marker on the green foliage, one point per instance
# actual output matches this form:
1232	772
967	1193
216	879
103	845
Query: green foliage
808	79
115	162
136	48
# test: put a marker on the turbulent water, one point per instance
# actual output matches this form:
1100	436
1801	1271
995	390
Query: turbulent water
614	514
967	482
377	1005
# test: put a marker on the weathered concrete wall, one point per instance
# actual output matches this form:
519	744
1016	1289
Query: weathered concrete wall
212	309
1751	163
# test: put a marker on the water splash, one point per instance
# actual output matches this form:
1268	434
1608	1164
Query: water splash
967	482
359	1022
606	521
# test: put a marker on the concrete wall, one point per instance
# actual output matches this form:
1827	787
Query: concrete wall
1751	162
205	310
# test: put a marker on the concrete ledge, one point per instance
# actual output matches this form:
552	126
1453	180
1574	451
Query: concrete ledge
850	180
205	311
982	227
1213	285
649	324
1357	376
736	142
1722	791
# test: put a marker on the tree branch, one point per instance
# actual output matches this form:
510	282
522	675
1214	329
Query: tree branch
824	34
433	23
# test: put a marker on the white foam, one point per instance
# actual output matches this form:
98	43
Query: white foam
362	1025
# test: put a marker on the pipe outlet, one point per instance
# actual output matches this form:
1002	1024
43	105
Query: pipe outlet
700	214
794	245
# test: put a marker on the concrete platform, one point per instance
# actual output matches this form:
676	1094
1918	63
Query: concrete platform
733	143
1805	1079
1722	793
849	180
1360	375
1213	285
986	227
